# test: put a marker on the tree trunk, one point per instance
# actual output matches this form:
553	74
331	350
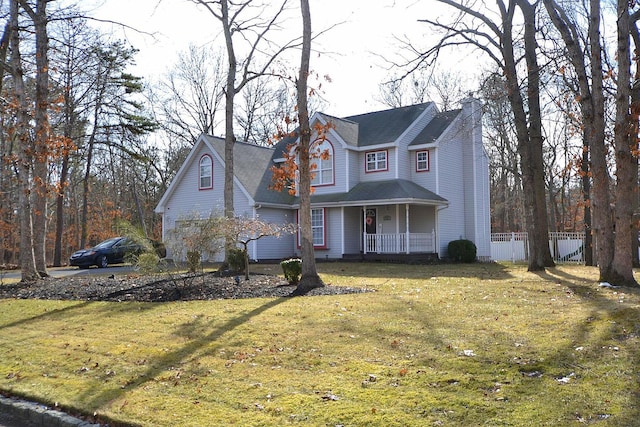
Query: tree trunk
60	223
229	139
541	223
626	168
529	135
40	191
21	135
635	138
310	278
596	197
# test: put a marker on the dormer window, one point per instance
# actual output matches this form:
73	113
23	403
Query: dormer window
323	171
206	173
376	161
422	161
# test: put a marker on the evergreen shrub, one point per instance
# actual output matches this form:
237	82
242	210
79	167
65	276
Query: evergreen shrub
462	250
292	269
236	258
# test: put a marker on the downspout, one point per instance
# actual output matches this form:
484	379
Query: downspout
254	244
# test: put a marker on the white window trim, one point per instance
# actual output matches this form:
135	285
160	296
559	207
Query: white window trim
427	161
377	161
323	227
208	159
319	172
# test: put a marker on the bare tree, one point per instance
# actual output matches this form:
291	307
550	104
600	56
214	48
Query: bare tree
625	140
70	82
505	177
614	249
444	87
190	97
310	278
252	23
261	110
497	40
20	134
585	57
41	152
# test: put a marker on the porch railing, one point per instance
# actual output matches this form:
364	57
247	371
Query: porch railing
396	243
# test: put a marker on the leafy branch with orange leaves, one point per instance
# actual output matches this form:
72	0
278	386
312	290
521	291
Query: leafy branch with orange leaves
284	175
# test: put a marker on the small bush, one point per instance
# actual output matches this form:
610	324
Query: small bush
193	261
237	260
148	263
292	269
462	251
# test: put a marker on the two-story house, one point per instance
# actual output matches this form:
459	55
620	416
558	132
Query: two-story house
399	182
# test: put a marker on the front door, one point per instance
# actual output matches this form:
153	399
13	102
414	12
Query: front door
370	222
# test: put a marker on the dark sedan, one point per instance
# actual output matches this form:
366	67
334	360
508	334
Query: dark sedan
112	251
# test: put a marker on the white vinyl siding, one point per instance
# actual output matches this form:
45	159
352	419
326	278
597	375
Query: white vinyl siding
270	247
352	230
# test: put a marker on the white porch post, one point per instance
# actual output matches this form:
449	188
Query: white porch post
342	247
364	229
406	209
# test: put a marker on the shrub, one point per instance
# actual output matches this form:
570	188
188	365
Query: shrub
193	261
237	259
462	250
148	263
292	269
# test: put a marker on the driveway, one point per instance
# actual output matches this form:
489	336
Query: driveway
74	271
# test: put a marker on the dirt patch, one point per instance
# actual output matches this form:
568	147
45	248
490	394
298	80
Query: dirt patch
154	288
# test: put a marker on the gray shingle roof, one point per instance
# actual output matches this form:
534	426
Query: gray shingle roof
435	127
386	126
252	163
371	192
249	164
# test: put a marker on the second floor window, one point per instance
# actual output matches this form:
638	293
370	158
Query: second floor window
376	161
422	161
323	172
206	173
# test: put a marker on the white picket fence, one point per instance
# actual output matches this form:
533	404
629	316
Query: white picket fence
514	247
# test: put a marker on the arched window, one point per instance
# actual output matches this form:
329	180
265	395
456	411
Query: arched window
206	172
323	171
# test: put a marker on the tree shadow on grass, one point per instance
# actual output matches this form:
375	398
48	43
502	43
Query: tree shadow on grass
49	314
624	320
481	271
95	401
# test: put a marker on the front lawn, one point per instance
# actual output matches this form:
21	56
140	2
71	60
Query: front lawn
441	345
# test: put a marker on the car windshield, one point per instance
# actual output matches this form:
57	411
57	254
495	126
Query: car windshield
106	243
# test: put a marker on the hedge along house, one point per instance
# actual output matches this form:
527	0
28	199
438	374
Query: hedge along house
399	183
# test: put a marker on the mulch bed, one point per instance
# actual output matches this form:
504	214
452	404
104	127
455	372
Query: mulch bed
162	288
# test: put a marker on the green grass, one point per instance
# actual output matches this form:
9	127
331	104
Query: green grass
394	357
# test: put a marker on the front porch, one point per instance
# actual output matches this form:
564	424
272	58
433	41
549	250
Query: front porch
393	247
414	258
399	243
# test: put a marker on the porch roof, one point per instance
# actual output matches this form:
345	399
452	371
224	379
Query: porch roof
380	192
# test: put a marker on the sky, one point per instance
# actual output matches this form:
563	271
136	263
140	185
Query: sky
350	52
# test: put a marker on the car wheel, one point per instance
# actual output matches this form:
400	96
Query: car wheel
102	261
